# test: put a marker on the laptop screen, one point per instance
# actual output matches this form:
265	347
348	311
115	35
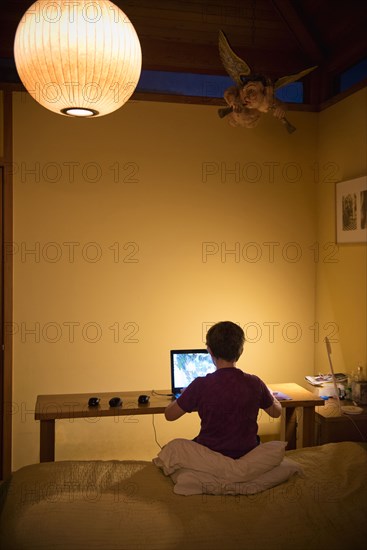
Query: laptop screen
188	364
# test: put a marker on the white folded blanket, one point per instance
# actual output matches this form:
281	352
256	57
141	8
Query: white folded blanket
196	469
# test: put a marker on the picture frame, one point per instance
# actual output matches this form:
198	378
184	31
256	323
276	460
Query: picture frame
351	211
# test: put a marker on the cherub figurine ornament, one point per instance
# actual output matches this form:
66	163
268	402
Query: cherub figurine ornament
253	94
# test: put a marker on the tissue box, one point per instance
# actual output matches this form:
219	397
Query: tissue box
327	389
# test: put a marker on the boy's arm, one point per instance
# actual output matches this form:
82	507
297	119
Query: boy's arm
275	410
173	411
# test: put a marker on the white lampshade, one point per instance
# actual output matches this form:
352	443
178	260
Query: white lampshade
78	57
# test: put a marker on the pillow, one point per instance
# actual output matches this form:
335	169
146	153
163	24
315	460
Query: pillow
188	482
182	453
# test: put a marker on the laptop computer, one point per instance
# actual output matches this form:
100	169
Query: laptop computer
186	365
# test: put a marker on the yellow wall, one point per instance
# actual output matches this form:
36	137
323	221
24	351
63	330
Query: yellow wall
342	275
126	223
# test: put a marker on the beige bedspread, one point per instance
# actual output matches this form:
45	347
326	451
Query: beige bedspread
130	505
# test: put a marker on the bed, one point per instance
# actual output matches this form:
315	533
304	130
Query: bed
131	505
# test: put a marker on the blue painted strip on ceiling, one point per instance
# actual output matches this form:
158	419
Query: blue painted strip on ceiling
203	85
355	74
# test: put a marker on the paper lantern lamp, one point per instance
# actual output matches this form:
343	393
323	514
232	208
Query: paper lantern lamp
78	58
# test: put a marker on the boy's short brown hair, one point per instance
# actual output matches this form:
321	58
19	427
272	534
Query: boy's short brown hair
226	340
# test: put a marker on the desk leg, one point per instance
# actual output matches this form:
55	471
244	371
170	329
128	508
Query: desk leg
308	415
47	441
288	431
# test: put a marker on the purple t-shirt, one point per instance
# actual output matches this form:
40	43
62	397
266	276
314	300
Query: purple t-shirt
228	402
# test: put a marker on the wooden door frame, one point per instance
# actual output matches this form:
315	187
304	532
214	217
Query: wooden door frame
6	162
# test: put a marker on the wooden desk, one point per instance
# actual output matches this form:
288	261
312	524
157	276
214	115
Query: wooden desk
53	407
305	401
61	406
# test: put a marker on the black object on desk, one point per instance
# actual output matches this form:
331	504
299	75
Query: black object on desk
115	402
93	402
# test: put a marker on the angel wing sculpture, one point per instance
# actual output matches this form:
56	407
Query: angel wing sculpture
253	94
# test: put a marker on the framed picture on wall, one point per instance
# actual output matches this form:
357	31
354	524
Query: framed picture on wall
351	211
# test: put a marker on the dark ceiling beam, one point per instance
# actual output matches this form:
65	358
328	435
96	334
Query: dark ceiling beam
300	31
343	58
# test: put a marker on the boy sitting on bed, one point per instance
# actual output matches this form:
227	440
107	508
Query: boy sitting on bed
227	400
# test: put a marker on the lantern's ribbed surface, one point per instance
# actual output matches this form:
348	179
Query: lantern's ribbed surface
80	54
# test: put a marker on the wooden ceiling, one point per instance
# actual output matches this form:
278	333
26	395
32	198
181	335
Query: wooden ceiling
275	37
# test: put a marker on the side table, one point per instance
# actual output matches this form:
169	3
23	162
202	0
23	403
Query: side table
331	427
